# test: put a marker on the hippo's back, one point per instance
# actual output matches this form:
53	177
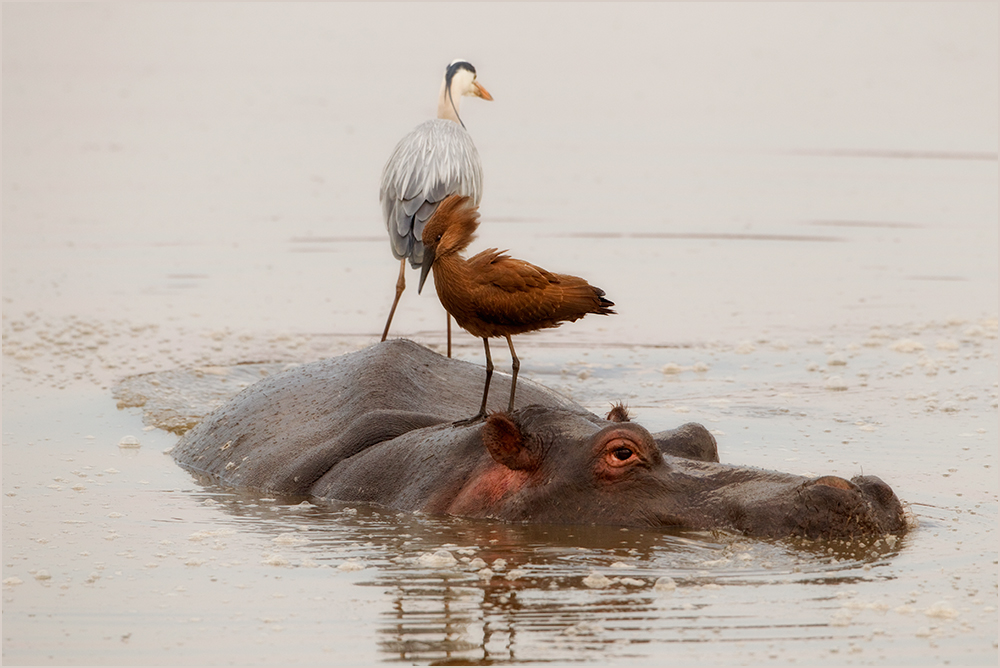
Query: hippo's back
285	431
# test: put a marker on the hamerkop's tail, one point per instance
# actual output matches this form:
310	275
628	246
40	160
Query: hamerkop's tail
604	303
579	298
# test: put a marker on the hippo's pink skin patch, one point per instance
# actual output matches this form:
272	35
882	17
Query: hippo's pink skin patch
486	490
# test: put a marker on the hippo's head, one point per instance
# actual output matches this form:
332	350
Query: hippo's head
560	466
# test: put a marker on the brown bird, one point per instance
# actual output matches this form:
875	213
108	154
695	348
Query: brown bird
493	295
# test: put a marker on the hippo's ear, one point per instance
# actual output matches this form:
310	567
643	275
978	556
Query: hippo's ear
503	438
691	441
619	413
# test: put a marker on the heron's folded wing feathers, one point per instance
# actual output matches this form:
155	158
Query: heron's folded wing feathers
436	159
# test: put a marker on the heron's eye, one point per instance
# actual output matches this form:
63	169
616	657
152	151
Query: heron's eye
623	454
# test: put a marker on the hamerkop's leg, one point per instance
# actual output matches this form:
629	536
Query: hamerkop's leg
514	365
400	286
489	374
486	390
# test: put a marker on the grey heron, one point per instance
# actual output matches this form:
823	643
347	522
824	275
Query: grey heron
435	160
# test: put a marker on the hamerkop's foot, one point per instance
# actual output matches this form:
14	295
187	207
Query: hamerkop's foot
478	417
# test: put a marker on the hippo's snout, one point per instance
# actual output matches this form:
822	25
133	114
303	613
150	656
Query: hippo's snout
832	507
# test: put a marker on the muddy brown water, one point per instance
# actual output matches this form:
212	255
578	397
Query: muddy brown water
794	208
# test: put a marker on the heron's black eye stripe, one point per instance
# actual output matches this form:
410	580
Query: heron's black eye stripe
453	70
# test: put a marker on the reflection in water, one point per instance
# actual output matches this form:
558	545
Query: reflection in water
478	592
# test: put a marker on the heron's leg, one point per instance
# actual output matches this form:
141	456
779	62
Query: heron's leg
448	316
514	365
400	286
481	415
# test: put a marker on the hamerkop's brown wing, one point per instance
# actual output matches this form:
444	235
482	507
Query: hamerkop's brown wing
516	296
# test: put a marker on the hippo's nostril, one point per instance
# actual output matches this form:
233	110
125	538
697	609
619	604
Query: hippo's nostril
876	489
833	481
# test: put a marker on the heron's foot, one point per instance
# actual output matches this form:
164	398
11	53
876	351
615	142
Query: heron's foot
478	417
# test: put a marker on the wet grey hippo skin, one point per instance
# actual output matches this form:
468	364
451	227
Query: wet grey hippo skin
376	426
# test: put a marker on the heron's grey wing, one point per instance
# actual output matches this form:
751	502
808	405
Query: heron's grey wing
437	159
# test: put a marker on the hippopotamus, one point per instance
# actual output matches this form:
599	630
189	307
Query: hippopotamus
383	426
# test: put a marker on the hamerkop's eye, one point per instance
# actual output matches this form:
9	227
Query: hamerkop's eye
623	454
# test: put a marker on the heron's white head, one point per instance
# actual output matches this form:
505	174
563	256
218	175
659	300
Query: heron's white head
459	80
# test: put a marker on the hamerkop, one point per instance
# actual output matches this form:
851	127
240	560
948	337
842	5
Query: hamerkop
435	160
493	295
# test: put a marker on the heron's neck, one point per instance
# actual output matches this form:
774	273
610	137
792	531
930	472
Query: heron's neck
448	105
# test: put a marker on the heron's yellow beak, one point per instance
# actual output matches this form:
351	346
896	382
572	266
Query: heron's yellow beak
479	91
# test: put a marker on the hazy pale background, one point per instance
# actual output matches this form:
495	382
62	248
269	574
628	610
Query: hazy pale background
793	205
220	142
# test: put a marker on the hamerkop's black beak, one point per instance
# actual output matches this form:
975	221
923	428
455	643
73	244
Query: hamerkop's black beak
425	267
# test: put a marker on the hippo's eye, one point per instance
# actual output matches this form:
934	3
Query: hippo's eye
623	454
